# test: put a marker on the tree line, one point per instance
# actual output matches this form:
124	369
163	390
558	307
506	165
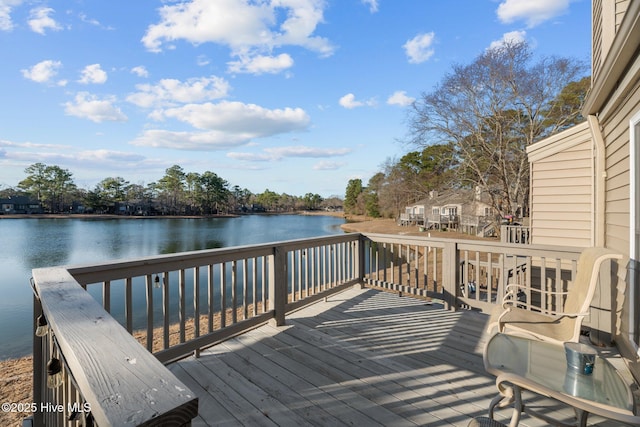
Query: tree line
472	130
176	193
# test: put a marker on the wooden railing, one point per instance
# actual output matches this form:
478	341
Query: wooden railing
114	325
465	273
515	234
174	306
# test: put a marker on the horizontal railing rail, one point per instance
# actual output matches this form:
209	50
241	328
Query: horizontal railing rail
107	320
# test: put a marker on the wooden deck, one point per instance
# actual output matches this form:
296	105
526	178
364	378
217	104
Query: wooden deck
362	358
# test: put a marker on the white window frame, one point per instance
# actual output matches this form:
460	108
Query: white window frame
634	228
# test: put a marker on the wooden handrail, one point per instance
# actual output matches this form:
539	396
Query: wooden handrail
122	383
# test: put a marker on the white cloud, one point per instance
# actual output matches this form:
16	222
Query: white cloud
6	24
101	156
507	38
223	125
328	166
349	101
250	29
43	71
260	64
373	5
419	49
7	143
88	106
212	140
168	92
202	60
532	12
240	118
297	151
93	74
400	98
40	21
92	21
93	160
140	71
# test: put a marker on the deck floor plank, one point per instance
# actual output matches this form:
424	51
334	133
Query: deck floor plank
344	370
362	357
292	390
298	363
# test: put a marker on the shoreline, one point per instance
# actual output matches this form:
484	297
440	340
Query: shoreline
111	216
132	217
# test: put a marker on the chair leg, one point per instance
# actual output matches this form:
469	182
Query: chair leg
493	404
518	406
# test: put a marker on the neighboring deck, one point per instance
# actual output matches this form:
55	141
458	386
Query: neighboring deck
362	358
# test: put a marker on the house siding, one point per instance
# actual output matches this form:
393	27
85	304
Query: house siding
621	10
615	100
564	200
606	20
617	183
562	189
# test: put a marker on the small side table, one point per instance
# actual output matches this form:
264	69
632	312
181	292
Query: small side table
541	367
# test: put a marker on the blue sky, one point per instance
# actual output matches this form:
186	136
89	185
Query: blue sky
294	96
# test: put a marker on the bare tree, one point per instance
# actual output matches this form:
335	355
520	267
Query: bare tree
490	111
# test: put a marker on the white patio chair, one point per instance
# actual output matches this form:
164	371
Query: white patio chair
548	325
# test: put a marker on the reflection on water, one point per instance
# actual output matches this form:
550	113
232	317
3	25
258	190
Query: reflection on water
44	243
32	243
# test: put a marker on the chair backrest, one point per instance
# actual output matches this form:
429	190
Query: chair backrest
584	284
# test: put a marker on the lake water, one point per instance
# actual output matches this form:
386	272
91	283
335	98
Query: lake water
31	243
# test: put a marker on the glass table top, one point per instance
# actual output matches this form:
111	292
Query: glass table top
546	364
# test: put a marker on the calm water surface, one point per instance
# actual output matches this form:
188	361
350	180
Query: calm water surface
31	243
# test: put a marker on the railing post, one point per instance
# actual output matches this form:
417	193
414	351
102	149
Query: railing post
450	274
278	285
38	361
360	257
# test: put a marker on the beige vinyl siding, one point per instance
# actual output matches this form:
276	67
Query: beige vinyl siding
562	189
617	187
596	37
615	124
621	9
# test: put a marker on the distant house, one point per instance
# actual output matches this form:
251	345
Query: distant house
463	210
585	181
20	205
